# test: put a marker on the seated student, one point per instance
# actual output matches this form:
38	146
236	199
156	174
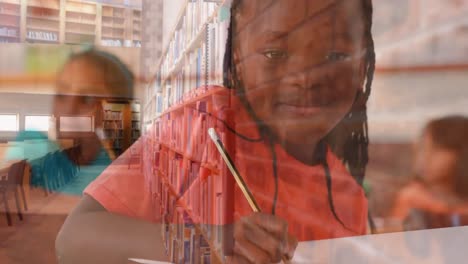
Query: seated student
438	195
86	76
302	73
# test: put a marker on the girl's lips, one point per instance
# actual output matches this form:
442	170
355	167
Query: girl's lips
299	110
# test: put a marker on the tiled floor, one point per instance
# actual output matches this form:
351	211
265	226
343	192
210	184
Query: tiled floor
32	240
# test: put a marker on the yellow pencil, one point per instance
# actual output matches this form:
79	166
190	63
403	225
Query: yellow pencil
240	181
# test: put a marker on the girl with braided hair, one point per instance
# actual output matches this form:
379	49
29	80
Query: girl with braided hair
301	72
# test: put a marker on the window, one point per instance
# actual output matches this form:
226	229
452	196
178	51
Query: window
76	124
37	123
8	122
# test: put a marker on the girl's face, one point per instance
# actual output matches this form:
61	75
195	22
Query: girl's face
300	63
82	80
434	163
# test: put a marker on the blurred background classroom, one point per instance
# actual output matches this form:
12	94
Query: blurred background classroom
421	74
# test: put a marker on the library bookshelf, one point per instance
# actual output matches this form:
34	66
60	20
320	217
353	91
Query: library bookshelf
192	187
70	22
121	124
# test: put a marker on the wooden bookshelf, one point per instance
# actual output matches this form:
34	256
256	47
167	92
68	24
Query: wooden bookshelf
184	100
10	14
80	22
136	121
43	21
121	124
45	5
71	22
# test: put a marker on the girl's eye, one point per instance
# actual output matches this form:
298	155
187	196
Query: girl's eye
275	54
337	56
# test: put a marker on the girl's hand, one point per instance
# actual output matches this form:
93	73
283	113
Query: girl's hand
262	238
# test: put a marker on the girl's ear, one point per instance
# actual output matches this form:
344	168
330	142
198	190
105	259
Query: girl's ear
363	71
236	60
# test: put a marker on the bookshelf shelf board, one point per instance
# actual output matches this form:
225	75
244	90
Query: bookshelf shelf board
205	96
112	38
83	22
42	29
44	6
41	40
9	25
81	13
11	2
180	152
8	36
6	13
79	33
112	26
46	18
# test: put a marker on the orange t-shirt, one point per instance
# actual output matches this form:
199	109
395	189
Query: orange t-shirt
302	189
123	190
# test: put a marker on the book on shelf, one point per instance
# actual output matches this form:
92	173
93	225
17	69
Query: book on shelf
112	115
10	32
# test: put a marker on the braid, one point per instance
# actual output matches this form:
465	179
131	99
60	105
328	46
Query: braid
349	140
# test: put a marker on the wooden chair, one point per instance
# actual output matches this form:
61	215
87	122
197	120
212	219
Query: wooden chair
18	174
13	178
3	192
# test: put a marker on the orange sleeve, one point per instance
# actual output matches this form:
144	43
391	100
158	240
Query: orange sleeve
123	191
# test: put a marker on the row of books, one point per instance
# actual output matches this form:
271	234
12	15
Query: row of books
112	42
117	144
135	124
187	172
10	32
135	116
135	134
202	66
40	35
171	127
182	244
112	115
113	134
113	124
189	245
196	15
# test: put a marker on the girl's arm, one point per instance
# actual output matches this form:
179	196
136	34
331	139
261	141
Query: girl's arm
93	235
415	196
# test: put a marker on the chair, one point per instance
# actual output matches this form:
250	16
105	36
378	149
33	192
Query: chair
38	177
66	167
17	173
51	172
3	192
10	182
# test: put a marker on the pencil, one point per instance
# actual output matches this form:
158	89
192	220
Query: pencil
239	180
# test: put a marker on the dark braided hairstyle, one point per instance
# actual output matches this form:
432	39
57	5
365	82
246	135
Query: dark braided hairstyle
117	75
349	140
